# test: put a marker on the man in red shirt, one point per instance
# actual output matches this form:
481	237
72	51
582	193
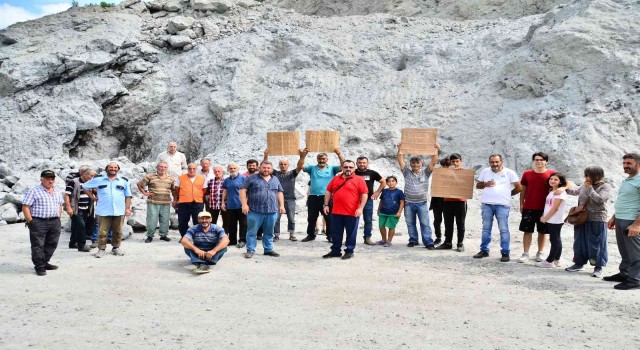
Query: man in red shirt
350	194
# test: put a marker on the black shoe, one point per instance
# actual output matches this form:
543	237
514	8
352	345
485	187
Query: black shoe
41	272
165	238
259	237
272	253
411	244
347	256
329	239
332	255
84	248
505	258
108	241
437	241
444	246
626	285
618	277
430	247
48	266
73	245
309	238
148	240
481	255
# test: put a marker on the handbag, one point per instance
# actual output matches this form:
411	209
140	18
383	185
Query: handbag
578	214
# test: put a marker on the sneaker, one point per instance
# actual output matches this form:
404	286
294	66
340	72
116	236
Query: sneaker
148	240
248	255
241	244
574	268
309	238
539	257
117	252
460	248
332	255
94	245
618	277
444	246
368	241
84	248
272	253
387	244
347	256
48	266
556	263
437	241
201	268
505	258
380	242
411	244
430	247
166	239
481	255
545	264
597	272
524	258
100	254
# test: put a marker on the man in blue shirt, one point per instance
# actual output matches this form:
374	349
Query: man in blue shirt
319	176
232	208
262	199
204	243
113	204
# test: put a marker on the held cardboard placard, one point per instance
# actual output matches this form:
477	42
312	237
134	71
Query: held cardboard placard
322	140
452	183
419	141
283	143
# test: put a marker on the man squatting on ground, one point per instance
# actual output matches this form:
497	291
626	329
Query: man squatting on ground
204	243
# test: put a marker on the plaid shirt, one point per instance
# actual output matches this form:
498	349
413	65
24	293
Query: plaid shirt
215	193
43	204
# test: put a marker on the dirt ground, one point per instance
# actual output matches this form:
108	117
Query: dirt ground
383	298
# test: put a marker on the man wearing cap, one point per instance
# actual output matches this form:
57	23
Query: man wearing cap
204	243
177	160
113	204
80	209
159	187
42	206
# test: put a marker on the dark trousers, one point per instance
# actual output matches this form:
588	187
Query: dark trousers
590	243
235	218
556	242
215	214
340	224
315	207
454	211
81	228
629	248
437	205
186	212
44	236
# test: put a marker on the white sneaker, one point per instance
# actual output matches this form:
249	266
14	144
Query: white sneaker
117	251
539	257
545	264
556	263
524	258
100	253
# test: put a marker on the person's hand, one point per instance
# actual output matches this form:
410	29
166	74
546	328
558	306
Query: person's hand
358	212
559	190
281	210
611	224
209	254
223	207
174	203
437	147
375	196
94	198
128	212
399	147
303	152
521	209
544	219
266	152
325	210
337	151
634	230
587	182
245	209
150	194
69	212
201	254
398	215
489	183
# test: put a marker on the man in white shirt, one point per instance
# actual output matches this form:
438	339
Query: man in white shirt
498	184
176	160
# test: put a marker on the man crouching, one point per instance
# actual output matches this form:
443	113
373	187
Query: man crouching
204	243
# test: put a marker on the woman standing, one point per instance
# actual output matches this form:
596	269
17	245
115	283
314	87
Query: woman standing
590	238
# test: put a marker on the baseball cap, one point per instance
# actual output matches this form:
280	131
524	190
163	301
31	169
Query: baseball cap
204	214
48	173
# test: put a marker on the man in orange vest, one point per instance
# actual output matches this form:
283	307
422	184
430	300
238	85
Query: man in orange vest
188	197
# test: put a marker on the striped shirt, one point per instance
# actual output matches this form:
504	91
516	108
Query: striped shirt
43	204
83	199
262	196
161	188
205	240
215	193
416	186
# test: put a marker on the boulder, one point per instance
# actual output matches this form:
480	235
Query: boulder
220	6
9	213
172	6
179	41
179	23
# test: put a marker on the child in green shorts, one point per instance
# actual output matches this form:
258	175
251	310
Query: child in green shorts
389	210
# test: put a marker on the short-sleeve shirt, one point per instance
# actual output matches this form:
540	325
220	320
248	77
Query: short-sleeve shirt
205	240
161	188
627	205
390	201
557	218
83	199
347	198
43	204
111	194
416	186
177	162
370	177
288	182
499	194
320	178
537	188
232	185
215	193
262	195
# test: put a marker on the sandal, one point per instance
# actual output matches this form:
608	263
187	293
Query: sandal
276	238
293	238
380	242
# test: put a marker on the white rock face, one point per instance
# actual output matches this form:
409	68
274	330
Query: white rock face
9	213
220	6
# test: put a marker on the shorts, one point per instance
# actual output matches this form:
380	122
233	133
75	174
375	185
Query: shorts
387	220
531	220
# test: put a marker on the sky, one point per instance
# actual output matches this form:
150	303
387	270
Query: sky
12	11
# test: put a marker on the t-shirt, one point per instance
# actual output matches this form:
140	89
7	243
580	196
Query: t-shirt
500	193
628	202
288	182
537	188
161	188
390	201
416	186
557	218
370	177
232	185
346	199
320	178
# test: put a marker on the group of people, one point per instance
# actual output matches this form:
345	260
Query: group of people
251	205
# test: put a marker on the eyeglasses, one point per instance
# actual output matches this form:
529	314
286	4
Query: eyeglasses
538	160
348	167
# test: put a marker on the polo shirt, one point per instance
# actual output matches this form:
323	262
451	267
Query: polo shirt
205	240
111	194
161	188
346	199
43	204
500	194
320	178
262	195
627	205
232	185
416	186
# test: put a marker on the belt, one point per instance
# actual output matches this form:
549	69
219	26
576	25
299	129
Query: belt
46	219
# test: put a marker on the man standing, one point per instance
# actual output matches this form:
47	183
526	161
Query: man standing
205	170
252	167
188	197
262	200
159	185
288	182
498	184
113	204
204	243
319	177
232	207
626	221
370	177
416	191
535	188
213	194
80	209
176	160
350	195
42	206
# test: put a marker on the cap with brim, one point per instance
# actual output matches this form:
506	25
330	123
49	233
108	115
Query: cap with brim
48	173
204	214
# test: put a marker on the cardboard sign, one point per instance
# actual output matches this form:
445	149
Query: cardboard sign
322	140
452	183
283	143
419	141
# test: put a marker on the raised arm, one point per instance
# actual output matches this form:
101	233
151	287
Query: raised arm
434	158
303	156
400	158
339	154
265	154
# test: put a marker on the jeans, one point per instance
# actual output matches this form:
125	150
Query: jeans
290	210
556	242
155	213
590	243
235	218
106	224
315	207
501	212
186	212
629	248
421	210
367	215
196	260
266	222
44	236
340	224
81	226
